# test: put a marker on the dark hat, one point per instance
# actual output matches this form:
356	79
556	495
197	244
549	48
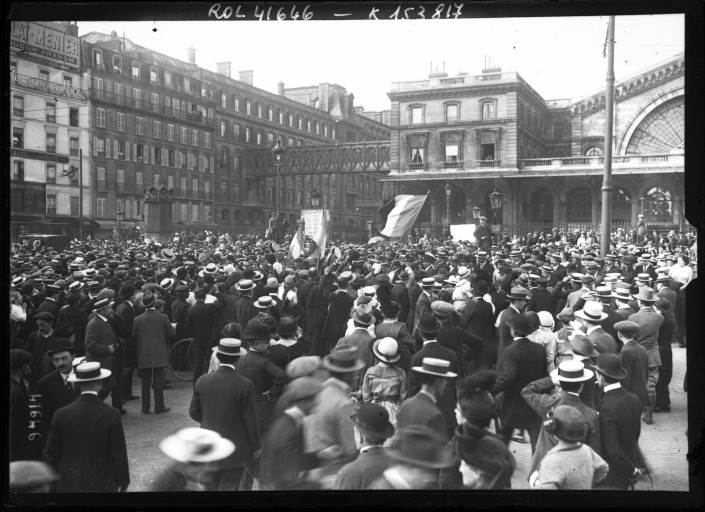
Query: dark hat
569	423
566	315
287	327
519	293
428	324
521	325
258	331
373	419
44	315
18	357
94	285
126	291
363	318
664	305
420	445
629	329
231	347
343	359
610	365
86	372
60	345
148	299
582	345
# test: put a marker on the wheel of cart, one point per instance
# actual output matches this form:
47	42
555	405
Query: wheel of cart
182	359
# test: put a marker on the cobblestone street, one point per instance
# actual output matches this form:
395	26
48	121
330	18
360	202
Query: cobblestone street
664	443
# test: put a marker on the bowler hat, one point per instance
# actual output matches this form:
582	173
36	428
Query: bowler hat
664	305
421	446
90	371
610	365
286	327
343	359
18	357
60	345
149	299
428	324
257	330
521	324
569	423
373	419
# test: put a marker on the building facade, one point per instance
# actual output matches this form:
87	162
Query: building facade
50	128
463	138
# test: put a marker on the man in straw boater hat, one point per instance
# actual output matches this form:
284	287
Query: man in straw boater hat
420	452
518	300
195	453
620	424
373	427
521	362
423	303
568	379
429	328
590	318
328	425
86	444
649	321
224	401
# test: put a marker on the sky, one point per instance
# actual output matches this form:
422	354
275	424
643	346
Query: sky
560	57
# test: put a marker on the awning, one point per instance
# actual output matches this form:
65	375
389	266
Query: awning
105	224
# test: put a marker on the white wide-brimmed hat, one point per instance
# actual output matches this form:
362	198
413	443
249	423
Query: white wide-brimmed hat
195	444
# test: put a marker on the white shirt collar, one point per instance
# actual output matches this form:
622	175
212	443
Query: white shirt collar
89	393
433	398
593	328
426	342
368	447
228	365
610	387
101	317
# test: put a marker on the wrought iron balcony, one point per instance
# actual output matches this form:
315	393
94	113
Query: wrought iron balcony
619	161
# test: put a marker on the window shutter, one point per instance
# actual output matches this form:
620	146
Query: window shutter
115	149
127	151
134	152
107	148
95	146
165	157
212	164
200	163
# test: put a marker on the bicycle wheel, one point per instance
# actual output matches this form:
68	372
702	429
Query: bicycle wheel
182	359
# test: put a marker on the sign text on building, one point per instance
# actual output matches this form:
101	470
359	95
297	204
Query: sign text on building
45	42
36	155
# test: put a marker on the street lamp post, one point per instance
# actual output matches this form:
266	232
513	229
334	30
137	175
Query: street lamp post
448	190
71	173
475	212
278	153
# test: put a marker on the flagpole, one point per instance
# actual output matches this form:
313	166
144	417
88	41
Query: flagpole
606	221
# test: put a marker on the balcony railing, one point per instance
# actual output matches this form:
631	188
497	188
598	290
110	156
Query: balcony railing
598	161
45	86
454	165
443	82
487	164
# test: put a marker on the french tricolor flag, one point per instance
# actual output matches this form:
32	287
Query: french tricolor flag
401	214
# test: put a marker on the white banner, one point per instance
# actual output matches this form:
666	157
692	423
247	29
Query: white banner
463	232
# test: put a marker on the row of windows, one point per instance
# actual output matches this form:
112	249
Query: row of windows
43	75
232	131
142	153
157	180
48	113
130	208
186	136
417	113
50	142
288	119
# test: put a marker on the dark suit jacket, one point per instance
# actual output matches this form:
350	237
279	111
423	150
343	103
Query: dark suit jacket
504	334
452	338
179	308
400	295
422	306
340	303
521	362
446	403
200	322
127	312
635	361
414	293
420	410
54	396
478	319
318	302
50	306
542	300
361	339
360	473
620	426
224	401
87	447
99	336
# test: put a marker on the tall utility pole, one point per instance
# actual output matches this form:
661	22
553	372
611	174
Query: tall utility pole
606	225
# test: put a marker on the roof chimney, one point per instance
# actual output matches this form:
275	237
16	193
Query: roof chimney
323	96
191	55
223	68
281	91
246	76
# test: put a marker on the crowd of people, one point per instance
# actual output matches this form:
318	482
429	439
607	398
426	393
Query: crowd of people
393	365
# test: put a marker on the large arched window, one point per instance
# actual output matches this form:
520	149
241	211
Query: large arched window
621	205
657	205
579	206
542	206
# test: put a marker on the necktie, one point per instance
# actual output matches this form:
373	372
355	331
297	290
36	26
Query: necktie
69	386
